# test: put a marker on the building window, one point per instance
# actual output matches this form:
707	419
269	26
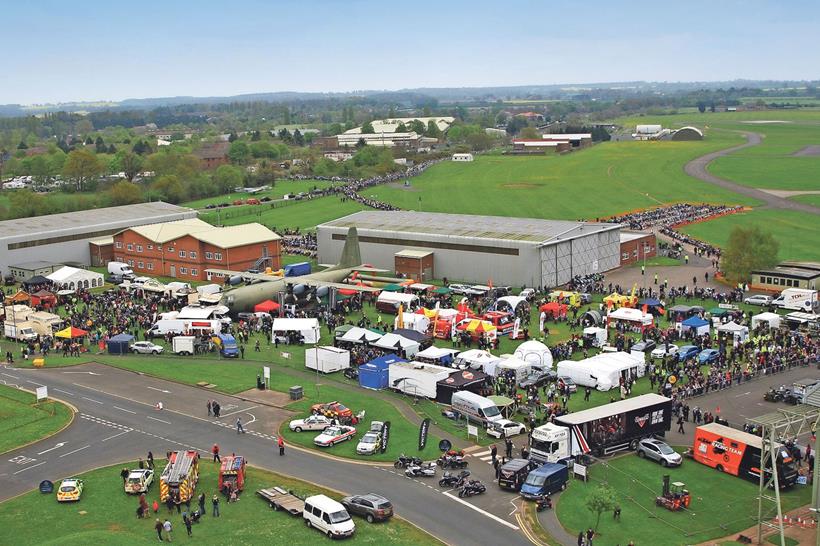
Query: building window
150	266
194	272
183	270
139	248
170	249
130	246
181	253
209	256
131	263
150	247
218	256
118	244
192	254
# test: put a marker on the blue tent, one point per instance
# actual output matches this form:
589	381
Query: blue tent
652	302
695	322
375	374
118	345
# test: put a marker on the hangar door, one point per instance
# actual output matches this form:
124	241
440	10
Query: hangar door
556	264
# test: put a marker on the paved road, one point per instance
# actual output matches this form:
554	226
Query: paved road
698	169
117	421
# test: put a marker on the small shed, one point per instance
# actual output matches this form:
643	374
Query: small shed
699	325
375	374
414	264
119	344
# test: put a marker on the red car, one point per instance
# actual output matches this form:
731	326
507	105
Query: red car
332	409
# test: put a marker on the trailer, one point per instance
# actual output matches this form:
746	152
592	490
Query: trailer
183	345
281	499
603	430
416	378
327	359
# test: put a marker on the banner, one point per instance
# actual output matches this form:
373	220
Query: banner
385	436
516	328
423	429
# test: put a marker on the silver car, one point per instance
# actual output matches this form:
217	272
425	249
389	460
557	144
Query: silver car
758	299
658	451
146	348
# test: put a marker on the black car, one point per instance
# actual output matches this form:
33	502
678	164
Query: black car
265	199
211	206
351	373
644	346
537	379
370	506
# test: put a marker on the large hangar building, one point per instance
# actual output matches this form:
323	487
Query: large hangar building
505	251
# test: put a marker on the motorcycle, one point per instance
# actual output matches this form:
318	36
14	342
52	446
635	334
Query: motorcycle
543	503
472	487
774	395
424	470
452	461
453	480
405	461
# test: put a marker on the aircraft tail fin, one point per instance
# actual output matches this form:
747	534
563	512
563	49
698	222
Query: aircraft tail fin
351	254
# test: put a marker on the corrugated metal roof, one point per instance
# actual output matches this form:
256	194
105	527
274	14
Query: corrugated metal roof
500	228
223	237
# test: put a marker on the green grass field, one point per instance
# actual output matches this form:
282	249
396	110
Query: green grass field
775	173
721	504
303	214
279	189
23	420
811	199
106	515
798	233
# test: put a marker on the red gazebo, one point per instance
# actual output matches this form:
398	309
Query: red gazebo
44	298
267	306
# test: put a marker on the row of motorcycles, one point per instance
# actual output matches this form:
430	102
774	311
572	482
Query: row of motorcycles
416	468
781	394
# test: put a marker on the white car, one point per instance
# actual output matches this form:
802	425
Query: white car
758	299
145	348
139	481
662	351
527	294
504	428
333	435
314	422
369	443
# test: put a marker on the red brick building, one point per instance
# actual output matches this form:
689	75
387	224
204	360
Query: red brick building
635	245
213	155
186	248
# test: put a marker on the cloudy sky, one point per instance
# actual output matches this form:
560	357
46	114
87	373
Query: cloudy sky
57	51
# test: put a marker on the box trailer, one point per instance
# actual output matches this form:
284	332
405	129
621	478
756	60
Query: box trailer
183	345
183	326
417	379
602	430
327	359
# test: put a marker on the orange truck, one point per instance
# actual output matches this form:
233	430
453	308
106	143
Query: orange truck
738	453
232	474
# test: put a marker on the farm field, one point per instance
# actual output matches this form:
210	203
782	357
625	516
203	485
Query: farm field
23	420
280	188
608	179
105	515
770	172
717	500
303	214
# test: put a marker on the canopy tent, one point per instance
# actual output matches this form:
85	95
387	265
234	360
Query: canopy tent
441	290
699	325
718	312
554	308
75	279
375	374
652	305
591	318
71	333
422	339
770	320
477	359
308	328
36	280
21	297
437	355
391	288
339	331
267	306
359	335
594	336
119	344
513	303
652	302
635	317
505	404
397	343
43	298
478	327
680	312
738	331
535	353
463	380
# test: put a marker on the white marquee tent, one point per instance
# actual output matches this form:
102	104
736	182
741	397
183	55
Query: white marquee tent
602	371
395	342
308	327
71	278
360	335
477	360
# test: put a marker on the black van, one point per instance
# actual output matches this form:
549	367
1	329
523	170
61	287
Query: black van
513	474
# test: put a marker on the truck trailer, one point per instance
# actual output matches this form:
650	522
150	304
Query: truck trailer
602	430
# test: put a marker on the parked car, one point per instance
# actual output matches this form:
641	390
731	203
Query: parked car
569	383
369	443
707	356
332	409
537	379
333	435
139	481
314	422
145	348
265	199
70	490
371	507
645	346
586	298
758	299
528	294
351	373
687	351
658	451
505	428
662	351
463	290
328	516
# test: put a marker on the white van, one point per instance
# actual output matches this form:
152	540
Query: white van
389	302
328	516
119	268
476	408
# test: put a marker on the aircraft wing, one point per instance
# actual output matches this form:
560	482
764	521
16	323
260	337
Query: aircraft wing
338	285
366	269
244	274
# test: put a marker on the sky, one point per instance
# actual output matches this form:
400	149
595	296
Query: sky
59	51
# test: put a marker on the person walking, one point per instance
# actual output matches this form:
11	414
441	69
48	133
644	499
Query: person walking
242	351
590	536
494	452
187	521
158	528
124	475
281	443
150	459
239	428
587	392
201	500
508	447
209	406
215	503
581	538
215	451
216	408
680	425
167	528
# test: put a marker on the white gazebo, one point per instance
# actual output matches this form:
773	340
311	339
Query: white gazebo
772	320
536	353
738	331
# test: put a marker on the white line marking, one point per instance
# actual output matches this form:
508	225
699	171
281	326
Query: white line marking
744	394
237	411
125	410
515	508
160	420
56	446
120	434
35	383
253	419
65	392
91	400
483	512
488	452
75	451
9	375
158	390
30	467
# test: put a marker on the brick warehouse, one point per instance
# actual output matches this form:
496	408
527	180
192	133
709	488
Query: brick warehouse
184	249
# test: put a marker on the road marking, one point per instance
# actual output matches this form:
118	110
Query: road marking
85	373
9	375
57	446
65	392
30	467
488	452
160	420
164	391
35	383
483	512
515	508
237	411
125	410
112	437
91	400
744	394
75	451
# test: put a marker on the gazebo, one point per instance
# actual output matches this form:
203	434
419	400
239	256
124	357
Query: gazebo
71	333
267	306
43	298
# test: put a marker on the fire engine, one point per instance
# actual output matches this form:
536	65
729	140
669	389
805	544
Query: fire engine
232	474
179	478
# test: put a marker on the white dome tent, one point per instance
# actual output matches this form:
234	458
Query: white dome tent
535	353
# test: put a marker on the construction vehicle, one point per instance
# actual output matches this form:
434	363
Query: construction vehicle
674	498
179	478
232	474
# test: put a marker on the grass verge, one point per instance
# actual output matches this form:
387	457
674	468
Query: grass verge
23	420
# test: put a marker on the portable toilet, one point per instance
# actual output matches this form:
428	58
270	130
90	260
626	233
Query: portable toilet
375	374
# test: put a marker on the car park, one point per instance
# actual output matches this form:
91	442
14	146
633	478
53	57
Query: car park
145	348
314	422
370	506
328	516
707	356
333	435
139	481
646	346
70	490
687	351
758	299
464	290
537	378
662	351
369	443
659	451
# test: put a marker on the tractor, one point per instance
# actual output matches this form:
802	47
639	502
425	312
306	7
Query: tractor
674	498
